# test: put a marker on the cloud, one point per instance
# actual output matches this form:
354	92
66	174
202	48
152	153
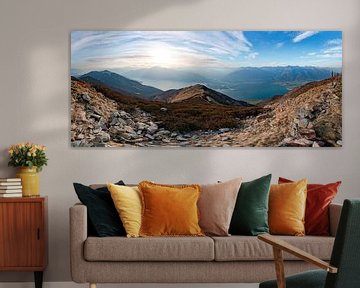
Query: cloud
279	45
303	35
205	48
335	49
332	52
336	41
252	55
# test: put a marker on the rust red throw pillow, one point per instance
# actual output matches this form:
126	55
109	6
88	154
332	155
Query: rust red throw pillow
319	197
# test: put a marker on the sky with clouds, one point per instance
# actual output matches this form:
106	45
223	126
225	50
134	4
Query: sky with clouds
100	50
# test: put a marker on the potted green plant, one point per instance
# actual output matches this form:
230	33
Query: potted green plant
30	158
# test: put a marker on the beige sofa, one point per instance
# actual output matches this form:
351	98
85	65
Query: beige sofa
234	259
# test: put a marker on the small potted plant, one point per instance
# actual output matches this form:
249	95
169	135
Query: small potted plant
30	158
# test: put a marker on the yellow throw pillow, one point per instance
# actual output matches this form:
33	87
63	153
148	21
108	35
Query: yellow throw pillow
287	204
169	210
127	201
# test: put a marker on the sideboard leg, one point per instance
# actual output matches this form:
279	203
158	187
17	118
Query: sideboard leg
38	279
92	285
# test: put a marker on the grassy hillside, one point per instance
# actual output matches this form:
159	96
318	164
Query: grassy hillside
184	117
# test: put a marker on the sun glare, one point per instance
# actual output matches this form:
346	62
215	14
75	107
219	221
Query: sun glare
161	56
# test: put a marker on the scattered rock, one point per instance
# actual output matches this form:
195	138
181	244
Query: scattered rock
180	138
309	134
102	137
80	137
302	142
141	126
92	110
85	98
223	130
96	116
102	123
152	128
149	136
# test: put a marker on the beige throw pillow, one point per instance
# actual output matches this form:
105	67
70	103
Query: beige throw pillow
216	206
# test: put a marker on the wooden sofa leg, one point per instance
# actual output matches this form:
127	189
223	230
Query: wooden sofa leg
92	285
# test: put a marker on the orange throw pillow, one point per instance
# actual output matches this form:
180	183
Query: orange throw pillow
319	197
287	204
169	210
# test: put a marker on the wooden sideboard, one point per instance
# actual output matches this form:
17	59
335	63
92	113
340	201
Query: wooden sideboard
23	235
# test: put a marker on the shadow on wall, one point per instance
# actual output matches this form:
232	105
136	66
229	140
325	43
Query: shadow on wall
39	54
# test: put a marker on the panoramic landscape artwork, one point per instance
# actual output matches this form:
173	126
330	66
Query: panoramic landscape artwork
206	89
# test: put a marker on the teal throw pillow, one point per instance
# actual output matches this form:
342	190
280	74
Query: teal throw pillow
250	216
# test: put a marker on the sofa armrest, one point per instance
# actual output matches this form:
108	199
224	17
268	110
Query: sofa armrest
78	235
334	217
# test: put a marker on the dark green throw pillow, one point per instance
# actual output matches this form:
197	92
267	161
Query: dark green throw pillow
250	216
103	218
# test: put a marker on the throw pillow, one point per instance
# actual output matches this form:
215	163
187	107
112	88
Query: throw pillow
102	215
287	204
216	206
169	210
319	197
250	215
127	201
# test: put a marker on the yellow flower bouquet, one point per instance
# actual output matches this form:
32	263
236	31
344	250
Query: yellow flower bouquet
27	155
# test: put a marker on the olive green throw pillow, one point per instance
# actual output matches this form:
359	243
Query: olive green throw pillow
250	216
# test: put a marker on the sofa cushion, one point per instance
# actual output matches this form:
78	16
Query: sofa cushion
216	206
250	216
169	210
244	248
102	216
318	199
149	249
127	201
287	204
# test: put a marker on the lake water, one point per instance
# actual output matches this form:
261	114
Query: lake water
252	92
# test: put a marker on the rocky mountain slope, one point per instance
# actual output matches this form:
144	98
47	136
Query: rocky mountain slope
198	93
309	116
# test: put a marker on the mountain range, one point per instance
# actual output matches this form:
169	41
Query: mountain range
120	83
250	84
279	74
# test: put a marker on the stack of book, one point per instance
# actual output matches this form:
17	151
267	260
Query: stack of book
10	187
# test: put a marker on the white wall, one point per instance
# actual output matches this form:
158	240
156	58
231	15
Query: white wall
34	105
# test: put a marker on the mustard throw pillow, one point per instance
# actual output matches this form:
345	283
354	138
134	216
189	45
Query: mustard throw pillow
169	210
127	201
287	204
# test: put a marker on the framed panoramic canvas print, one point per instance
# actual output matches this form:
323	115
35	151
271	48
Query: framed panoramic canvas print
206	89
